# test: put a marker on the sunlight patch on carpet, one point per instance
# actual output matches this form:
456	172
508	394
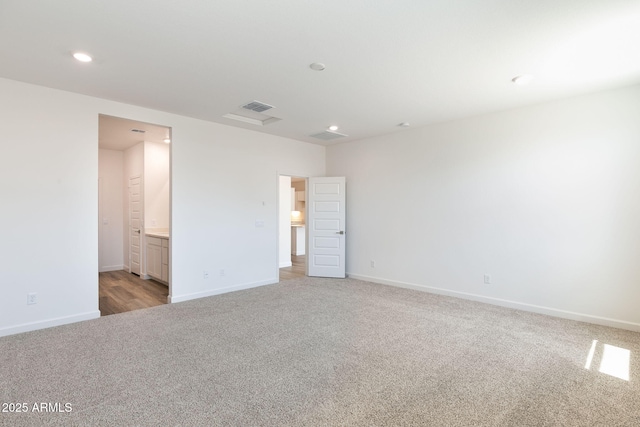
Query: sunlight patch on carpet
615	361
590	355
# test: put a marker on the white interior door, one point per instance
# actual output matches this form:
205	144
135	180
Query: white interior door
326	218
135	224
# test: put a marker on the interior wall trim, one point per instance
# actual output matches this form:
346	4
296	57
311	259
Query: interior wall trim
581	317
211	292
58	321
112	268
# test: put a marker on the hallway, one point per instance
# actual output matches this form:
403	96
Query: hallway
298	269
121	291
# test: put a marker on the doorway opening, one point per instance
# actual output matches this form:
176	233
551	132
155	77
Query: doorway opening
134	214
293	228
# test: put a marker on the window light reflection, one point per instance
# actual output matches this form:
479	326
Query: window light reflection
615	362
590	356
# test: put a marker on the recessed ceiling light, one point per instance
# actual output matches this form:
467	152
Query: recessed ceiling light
82	57
333	127
522	80
404	124
317	66
167	140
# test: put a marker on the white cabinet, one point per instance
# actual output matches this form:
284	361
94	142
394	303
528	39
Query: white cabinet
297	240
165	260
158	258
293	199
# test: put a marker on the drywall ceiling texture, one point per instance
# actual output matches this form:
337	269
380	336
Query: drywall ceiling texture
544	199
386	62
224	180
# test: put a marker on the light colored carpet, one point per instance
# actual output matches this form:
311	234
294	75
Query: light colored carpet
315	352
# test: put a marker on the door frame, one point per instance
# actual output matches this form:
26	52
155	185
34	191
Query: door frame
306	230
128	243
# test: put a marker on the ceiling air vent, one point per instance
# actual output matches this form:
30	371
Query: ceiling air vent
328	135
138	130
257	106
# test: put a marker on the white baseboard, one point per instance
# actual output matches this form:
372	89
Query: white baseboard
26	327
581	317
212	292
111	268
285	264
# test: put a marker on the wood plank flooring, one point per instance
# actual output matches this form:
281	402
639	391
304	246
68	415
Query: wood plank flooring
296	270
121	291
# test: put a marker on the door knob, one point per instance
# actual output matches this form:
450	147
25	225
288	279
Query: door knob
340	232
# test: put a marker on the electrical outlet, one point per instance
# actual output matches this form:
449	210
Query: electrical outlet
373	264
32	298
205	274
487	279
221	273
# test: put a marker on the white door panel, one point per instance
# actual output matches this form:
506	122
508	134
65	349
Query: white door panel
135	224
326	201
326	242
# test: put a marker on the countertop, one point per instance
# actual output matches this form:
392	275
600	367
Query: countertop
297	225
159	234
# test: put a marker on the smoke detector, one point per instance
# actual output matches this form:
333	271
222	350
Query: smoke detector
522	80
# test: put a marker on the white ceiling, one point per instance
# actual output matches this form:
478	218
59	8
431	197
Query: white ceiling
115	133
387	62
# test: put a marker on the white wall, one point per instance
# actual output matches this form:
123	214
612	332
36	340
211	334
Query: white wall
224	179
48	220
545	199
110	220
156	185
284	247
